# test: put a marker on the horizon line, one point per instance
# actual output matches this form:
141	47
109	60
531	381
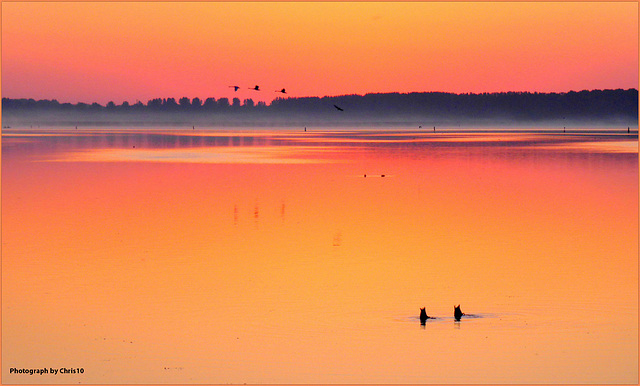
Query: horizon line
329	96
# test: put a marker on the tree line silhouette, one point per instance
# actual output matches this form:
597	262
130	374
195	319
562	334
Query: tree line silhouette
511	105
157	104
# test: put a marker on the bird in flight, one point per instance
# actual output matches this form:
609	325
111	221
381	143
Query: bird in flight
282	91
257	88
235	88
337	107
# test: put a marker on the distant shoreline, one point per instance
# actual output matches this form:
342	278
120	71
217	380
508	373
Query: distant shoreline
592	108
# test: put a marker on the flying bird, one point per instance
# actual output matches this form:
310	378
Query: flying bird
235	88
337	107
257	88
282	91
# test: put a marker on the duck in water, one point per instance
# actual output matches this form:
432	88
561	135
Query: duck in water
457	313
424	316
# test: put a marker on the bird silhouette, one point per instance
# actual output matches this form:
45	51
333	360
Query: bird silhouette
337	107
256	88
282	91
424	316
457	313
235	88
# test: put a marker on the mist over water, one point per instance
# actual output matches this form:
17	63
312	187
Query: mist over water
274	255
301	120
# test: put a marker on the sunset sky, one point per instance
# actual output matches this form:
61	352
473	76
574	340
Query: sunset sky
100	52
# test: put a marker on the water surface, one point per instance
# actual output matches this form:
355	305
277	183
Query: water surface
283	256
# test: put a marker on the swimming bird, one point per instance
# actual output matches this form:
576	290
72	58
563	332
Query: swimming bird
282	91
457	313
423	315
235	88
256	88
337	107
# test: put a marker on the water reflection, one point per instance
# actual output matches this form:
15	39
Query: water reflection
294	147
282	212
235	215
507	224
375	138
256	214
337	239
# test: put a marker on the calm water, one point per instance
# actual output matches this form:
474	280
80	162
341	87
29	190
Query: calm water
195	256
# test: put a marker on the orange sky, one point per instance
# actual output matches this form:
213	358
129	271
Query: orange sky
86	51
